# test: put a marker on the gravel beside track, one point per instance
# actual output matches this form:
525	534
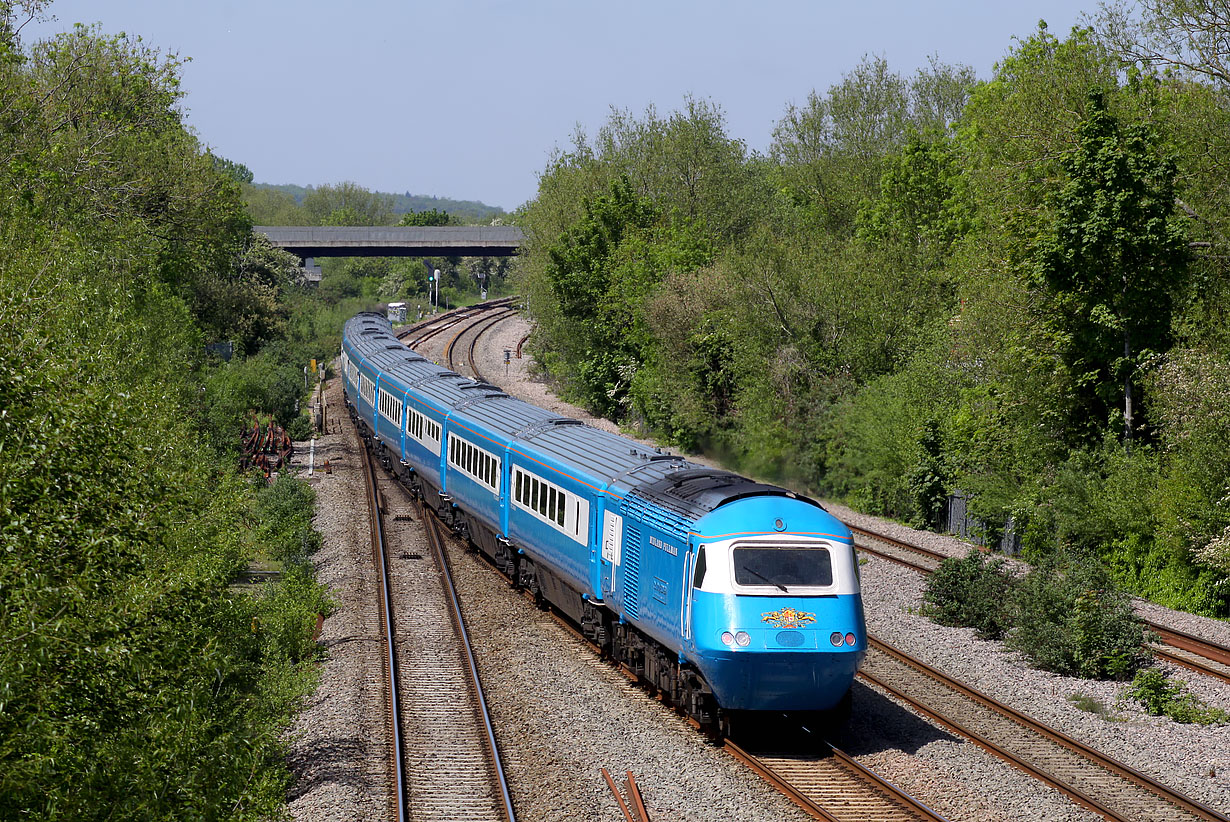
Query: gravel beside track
562	714
339	751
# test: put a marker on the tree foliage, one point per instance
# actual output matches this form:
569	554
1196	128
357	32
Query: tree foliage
929	284
133	682
347	203
1113	262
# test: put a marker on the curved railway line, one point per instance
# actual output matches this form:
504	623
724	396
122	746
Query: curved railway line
1202	655
830	785
430	327
442	744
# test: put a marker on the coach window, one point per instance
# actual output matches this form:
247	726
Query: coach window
559	515
551	503
517	493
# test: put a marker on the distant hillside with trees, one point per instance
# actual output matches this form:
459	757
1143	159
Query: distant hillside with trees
461	212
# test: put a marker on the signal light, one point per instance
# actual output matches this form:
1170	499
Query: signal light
743	638
851	639
836	638
728	638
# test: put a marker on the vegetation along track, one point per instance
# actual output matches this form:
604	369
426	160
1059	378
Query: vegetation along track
1201	655
446	761
1091	778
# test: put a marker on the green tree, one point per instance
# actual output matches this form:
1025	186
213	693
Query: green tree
236	171
1190	36
831	151
1114	261
424	218
347	203
268	206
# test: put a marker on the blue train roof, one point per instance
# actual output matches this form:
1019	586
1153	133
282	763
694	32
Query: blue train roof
630	469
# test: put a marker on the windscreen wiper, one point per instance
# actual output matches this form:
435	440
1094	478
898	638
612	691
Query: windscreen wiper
763	577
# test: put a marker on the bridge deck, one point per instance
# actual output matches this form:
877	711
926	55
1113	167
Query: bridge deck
396	241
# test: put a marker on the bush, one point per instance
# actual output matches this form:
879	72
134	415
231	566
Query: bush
1161	696
971	593
1073	620
300	428
287	610
285	512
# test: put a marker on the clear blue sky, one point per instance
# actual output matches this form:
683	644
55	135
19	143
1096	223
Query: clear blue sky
467	98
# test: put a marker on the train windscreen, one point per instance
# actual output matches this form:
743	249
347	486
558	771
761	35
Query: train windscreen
783	567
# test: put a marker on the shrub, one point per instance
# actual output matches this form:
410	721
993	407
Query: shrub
971	593
1161	696
285	511
286	613
1073	620
300	428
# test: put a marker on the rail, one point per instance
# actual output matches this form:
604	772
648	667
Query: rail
1093	779
432	526
380	554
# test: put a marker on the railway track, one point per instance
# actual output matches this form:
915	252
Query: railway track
1091	778
419	333
831	785
1193	652
443	746
481	323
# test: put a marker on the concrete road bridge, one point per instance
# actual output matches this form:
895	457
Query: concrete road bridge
396	241
309	242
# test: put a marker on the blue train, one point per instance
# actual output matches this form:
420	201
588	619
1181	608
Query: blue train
724	594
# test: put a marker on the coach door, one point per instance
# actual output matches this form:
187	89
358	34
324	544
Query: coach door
612	539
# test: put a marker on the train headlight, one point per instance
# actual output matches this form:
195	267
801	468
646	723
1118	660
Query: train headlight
728	638
851	639
743	638
836	638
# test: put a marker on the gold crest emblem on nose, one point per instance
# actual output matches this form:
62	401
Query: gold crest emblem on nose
787	618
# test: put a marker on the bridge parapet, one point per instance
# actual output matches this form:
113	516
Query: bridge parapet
396	241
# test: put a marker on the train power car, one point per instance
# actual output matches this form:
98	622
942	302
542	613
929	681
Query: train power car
725	594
